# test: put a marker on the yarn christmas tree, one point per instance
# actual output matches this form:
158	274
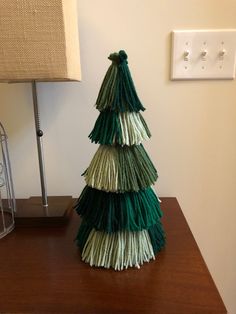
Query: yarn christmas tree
120	212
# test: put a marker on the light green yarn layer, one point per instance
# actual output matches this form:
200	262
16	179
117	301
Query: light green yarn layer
120	169
118	250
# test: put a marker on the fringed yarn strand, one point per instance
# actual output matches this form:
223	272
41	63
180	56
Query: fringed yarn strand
134	130
111	212
120	169
157	237
102	172
117	91
109	85
126	128
118	250
107	129
83	233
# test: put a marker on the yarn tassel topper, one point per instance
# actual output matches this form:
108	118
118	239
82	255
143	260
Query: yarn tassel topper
118	92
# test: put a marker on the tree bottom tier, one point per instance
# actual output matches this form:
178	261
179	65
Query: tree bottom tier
121	249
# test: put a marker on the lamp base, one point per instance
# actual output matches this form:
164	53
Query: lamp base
31	213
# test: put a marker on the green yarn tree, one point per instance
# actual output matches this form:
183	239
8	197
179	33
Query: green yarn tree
120	212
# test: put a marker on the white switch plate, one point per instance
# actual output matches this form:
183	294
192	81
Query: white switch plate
195	65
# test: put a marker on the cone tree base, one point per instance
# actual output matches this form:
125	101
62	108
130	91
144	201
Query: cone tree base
31	213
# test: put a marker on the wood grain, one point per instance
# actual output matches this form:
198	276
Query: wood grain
41	272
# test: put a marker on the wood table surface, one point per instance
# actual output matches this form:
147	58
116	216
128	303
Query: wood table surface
41	272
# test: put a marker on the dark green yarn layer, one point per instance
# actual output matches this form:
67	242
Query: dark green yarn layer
157	236
108	130
110	212
118	91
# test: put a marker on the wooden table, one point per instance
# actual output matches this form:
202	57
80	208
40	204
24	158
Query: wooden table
41	272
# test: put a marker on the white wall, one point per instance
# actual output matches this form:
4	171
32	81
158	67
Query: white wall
193	123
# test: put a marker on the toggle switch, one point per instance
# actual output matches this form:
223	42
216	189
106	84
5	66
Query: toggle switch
222	53
186	55
203	55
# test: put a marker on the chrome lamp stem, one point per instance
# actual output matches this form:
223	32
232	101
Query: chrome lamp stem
39	137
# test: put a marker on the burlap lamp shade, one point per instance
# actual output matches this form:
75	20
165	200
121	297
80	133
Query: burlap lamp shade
39	42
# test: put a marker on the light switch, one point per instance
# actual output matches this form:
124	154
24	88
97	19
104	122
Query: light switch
203	54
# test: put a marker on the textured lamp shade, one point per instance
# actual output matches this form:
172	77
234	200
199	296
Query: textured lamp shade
39	40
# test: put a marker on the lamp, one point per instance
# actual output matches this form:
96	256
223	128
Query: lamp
39	42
